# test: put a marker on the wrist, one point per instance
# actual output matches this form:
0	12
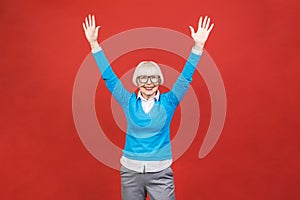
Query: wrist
197	50
199	46
94	45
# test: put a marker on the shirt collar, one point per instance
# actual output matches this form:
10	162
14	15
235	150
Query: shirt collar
156	97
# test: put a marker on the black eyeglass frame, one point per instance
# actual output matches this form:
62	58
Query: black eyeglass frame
149	77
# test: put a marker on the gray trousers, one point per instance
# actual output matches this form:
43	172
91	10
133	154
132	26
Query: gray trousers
158	185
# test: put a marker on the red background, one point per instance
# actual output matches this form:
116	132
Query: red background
254	43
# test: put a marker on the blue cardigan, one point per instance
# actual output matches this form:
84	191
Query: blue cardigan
148	134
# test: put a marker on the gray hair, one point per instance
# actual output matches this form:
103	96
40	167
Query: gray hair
148	68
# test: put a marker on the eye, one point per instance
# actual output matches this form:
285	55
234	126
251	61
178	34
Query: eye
143	79
154	79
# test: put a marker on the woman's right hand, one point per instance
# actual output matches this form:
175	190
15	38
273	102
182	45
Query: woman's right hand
90	29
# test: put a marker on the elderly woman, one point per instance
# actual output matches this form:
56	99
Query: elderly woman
147	156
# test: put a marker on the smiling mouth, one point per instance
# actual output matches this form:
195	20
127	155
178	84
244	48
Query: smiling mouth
148	88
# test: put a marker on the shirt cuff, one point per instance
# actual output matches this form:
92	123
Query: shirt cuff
197	51
96	49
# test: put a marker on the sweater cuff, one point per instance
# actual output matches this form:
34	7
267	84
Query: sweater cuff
96	50
197	51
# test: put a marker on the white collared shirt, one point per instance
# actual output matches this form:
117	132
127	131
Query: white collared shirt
148	104
140	165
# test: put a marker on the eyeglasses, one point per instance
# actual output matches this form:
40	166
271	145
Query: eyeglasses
144	79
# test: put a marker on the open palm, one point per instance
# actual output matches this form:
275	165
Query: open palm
90	29
202	33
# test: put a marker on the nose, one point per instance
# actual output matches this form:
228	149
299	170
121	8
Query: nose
148	81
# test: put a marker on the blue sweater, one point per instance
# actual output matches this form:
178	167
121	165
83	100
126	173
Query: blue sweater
148	134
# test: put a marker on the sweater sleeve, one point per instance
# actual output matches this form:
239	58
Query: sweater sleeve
112	82
185	78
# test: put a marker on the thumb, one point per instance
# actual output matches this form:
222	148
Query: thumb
97	29
192	30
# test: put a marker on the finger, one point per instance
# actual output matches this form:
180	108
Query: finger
93	21
204	22
84	27
90	20
200	23
192	30
207	24
97	29
211	27
86	22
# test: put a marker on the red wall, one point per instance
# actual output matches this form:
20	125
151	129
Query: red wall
254	44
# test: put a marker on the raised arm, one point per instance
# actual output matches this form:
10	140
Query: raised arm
185	78
112	82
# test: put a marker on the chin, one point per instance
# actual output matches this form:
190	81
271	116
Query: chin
150	93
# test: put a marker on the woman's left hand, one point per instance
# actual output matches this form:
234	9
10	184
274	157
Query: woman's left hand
202	33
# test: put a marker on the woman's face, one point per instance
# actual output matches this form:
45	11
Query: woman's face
148	85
